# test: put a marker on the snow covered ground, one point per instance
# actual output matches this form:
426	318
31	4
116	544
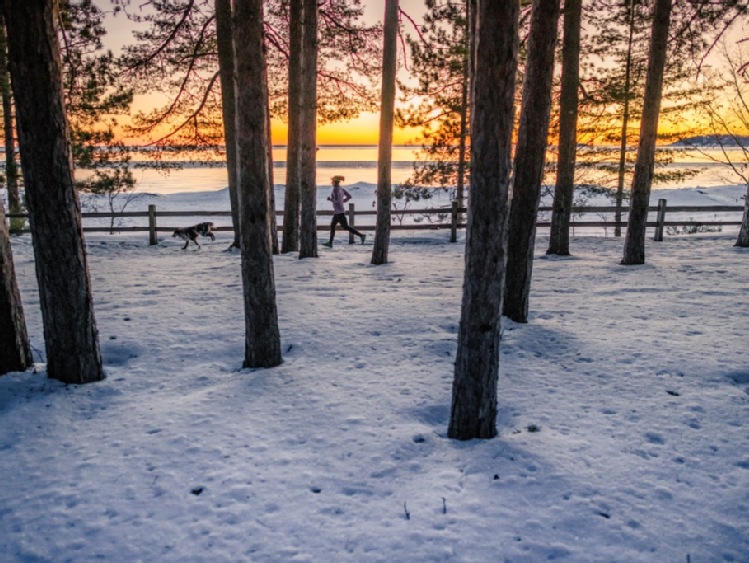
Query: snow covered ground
623	403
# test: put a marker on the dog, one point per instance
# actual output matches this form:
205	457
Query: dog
189	234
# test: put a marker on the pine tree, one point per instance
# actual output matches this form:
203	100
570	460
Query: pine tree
70	333
15	351
634	244
308	132
292	199
474	396
559	235
225	52
384	152
613	81
530	157
94	98
262	339
440	63
15	205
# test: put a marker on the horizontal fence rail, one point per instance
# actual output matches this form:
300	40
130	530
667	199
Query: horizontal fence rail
453	219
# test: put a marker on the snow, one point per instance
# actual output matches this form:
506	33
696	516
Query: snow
623	406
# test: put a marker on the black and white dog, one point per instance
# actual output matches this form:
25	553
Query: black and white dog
188	234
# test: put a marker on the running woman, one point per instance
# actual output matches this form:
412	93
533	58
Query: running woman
338	197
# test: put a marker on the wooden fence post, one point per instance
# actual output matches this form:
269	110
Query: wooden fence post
152	224
661	219
351	216
454	222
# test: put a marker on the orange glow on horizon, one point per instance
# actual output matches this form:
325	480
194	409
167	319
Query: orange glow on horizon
364	130
361	131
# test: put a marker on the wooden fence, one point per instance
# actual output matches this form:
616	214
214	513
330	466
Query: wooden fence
454	225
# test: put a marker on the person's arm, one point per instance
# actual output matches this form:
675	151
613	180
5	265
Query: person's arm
346	196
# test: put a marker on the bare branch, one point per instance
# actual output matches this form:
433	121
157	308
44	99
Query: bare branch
170	37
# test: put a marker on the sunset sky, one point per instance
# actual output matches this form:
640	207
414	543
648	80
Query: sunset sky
361	131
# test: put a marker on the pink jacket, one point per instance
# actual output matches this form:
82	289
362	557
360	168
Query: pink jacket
338	196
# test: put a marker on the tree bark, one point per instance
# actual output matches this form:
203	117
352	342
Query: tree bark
464	103
634	242
262	338
290	240
564	189
308	140
65	298
225	48
530	158
385	147
474	396
472	11
17	224
625	124
15	351
743	238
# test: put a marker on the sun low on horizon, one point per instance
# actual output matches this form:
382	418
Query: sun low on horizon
364	130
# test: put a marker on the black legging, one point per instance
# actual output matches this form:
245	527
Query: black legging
340	218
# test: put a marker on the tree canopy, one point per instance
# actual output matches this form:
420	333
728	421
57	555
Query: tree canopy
175	53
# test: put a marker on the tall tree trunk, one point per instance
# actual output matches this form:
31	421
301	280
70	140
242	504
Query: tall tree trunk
625	124
564	189
385	147
17	224
308	140
460	188
530	158
15	352
290	240
472	17
474	396
262	338
460	195
634	242
225	48
65	296
743	239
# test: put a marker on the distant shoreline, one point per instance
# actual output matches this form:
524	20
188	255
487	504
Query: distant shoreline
698	142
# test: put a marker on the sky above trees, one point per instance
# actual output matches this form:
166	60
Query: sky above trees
360	131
